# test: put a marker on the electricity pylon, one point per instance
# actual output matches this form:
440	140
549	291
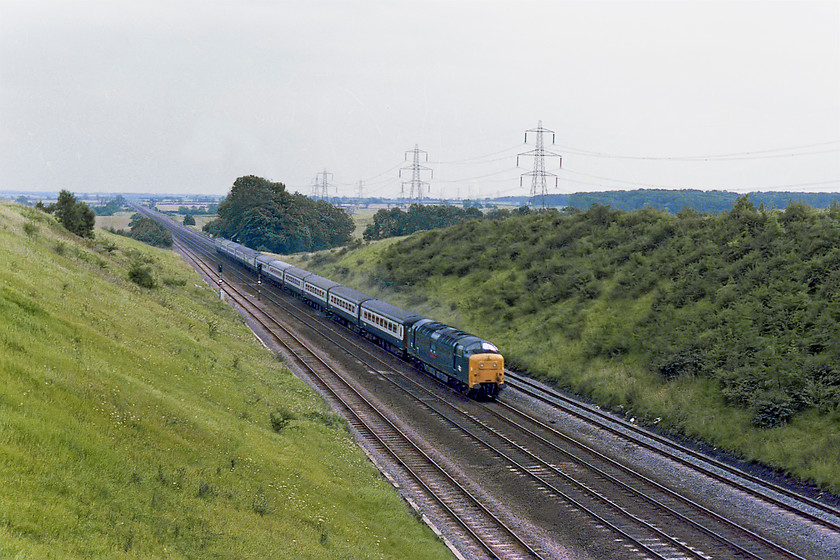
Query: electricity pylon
321	187
538	175
416	168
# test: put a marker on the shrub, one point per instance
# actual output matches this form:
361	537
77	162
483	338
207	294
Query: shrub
280	418
773	411
328	419
142	275
682	363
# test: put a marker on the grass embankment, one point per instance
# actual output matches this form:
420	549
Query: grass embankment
149	423
722	328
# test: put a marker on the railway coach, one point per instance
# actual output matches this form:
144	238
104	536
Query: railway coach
345	304
315	290
293	278
272	268
387	323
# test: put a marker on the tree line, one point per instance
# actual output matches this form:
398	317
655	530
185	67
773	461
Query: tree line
394	222
674	200
118	204
263	215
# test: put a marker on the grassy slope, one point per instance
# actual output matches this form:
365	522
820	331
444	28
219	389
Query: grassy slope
136	422
556	341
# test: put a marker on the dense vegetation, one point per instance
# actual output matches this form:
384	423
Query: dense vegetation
395	222
262	215
149	423
746	298
149	231
74	215
722	327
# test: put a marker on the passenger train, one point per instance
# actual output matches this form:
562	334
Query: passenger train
465	361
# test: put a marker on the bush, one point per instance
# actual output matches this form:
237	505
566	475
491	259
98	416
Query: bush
681	363
773	411
142	275
280	418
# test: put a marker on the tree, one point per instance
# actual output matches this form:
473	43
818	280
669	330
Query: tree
76	216
261	214
150	232
189	220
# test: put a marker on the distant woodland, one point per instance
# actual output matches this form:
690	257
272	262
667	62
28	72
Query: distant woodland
673	201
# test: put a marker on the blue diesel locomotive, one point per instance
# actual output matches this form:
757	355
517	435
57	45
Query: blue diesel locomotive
465	361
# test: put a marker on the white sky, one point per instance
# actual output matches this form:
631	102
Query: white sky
186	96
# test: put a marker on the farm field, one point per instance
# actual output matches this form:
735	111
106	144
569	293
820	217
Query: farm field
120	220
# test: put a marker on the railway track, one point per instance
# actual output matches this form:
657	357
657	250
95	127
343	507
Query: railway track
804	506
667	526
454	504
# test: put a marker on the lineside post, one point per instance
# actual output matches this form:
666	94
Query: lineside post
221	289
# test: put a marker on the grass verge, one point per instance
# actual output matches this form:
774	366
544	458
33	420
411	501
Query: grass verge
143	423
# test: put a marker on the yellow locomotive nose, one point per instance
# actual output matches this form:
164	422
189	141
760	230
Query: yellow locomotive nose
486	368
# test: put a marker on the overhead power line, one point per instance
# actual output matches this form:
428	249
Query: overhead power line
477	159
380	182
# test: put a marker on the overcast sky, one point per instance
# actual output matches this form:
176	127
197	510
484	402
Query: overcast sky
186	96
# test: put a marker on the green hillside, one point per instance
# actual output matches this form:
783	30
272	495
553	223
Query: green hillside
724	328
149	423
